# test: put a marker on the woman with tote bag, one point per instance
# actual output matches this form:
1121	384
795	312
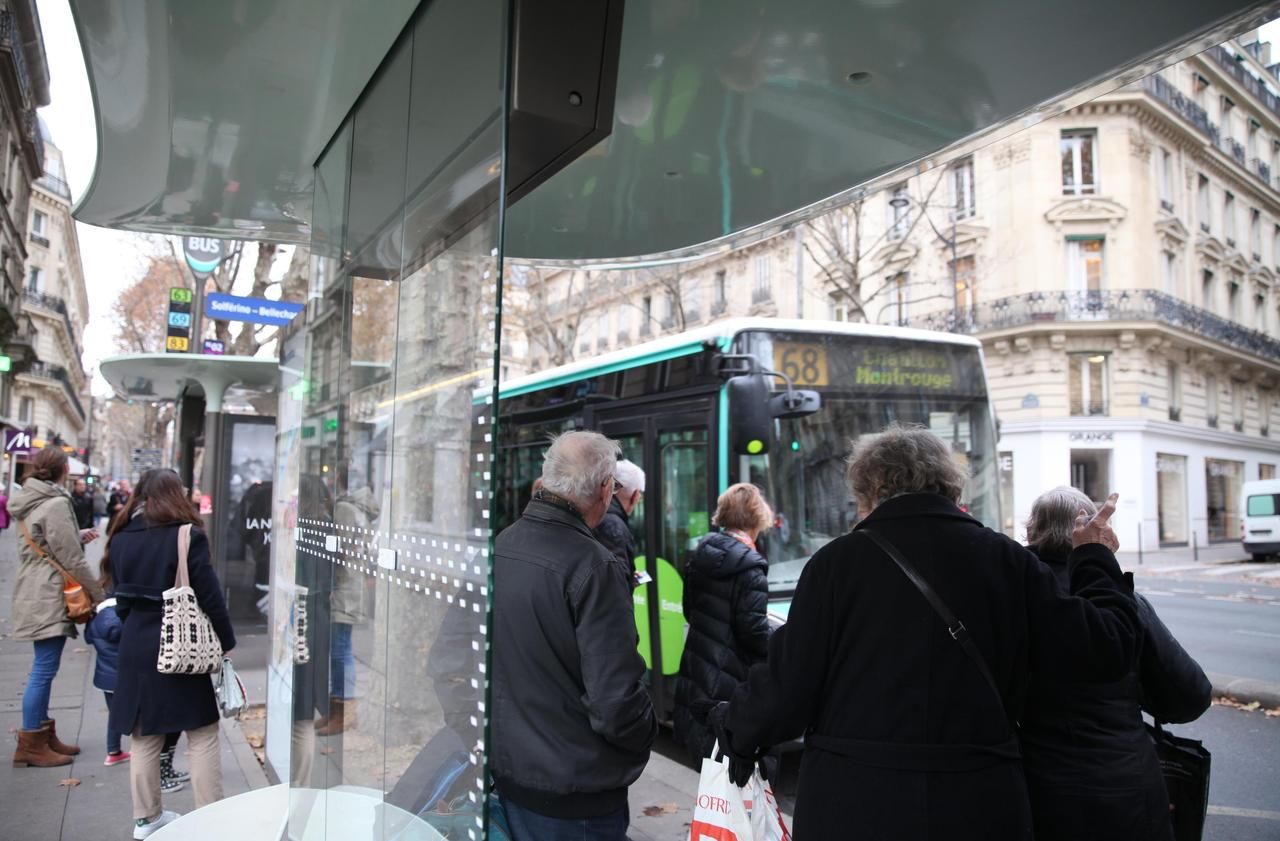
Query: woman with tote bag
142	561
50	564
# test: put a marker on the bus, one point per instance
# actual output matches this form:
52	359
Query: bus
773	402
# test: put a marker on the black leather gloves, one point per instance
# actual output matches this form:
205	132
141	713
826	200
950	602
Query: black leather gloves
740	766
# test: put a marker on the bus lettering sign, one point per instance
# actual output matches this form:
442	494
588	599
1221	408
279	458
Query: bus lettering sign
804	363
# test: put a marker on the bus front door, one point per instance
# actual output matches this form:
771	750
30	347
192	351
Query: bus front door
675	450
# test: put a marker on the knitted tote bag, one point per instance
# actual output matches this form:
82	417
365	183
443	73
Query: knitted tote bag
188	643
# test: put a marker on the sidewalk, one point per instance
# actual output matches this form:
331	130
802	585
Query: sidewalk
36	806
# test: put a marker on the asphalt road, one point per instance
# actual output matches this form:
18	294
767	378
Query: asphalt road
1231	628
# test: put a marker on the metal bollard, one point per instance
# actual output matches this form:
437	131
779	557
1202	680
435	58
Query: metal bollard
1139	544
1195	547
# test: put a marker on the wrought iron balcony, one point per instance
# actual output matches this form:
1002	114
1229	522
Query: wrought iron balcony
1162	90
1224	58
1102	306
1263	169
11	41
55	185
48	371
58	305
1230	147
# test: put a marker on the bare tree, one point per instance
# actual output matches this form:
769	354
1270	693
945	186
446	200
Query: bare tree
836	246
552	326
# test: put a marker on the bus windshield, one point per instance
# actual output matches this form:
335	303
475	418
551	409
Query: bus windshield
866	383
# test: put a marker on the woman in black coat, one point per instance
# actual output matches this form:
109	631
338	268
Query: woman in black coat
905	738
726	599
1092	770
142	561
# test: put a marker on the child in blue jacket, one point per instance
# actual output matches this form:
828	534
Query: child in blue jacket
103	633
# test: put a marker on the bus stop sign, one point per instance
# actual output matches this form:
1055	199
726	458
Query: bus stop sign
17	442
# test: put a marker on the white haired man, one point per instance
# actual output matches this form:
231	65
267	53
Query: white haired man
614	530
572	722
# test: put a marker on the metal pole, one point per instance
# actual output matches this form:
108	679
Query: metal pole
1195	545
197	313
1139	543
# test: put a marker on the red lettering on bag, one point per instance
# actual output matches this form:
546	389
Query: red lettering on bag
714	804
699	831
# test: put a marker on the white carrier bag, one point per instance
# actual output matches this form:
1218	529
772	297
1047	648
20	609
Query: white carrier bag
719	813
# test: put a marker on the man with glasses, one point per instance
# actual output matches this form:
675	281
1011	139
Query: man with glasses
614	530
572	722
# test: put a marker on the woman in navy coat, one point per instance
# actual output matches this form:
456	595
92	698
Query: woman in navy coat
141	561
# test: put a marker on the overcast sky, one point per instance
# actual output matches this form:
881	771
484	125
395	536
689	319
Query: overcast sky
113	259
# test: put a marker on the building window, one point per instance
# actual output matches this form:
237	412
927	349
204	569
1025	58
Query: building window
1005	459
1237	406
1260	312
720	301
764	281
1266	471
646	309
1171	498
1233	298
1275	246
692	297
35	279
839	308
962	189
1175	391
1229	219
1251	139
1255	234
1079	156
966	283
1211	400
901	297
1166	179
1199	85
1203	208
39	223
669	309
1169	271
1208	290
1085	264
1264	413
1228	112
1222	480
899	212
26	408
1087	384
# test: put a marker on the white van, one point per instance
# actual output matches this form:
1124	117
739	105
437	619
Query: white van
1261	526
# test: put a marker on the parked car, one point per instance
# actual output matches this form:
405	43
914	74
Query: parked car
1260	529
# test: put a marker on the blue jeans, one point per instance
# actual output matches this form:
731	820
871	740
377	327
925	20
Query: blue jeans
35	700
530	826
113	738
342	663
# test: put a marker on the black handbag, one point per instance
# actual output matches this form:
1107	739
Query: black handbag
1185	764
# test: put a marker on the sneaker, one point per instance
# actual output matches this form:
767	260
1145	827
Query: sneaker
116	758
143	828
170	785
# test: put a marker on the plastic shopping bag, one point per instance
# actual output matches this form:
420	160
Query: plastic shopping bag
766	816
719	813
230	690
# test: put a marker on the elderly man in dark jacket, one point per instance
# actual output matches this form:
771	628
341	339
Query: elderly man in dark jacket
1092	769
908	733
572	722
614	530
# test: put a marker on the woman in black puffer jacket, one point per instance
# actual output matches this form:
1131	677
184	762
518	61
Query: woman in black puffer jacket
726	595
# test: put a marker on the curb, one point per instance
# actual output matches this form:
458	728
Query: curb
254	774
1246	690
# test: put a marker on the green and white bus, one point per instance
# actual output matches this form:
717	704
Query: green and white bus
704	409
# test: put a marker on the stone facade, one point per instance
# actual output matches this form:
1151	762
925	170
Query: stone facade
52	394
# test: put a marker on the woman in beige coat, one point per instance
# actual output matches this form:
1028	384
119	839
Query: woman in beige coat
46	524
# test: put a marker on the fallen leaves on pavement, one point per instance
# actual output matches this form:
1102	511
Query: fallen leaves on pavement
69	782
661	809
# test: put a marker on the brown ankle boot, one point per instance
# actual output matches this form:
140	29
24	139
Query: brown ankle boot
342	715
33	750
56	744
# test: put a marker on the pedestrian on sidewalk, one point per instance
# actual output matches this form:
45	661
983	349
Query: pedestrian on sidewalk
103	633
573	722
141	560
908	719
1091	767
82	502
99	507
726	602
614	530
47	534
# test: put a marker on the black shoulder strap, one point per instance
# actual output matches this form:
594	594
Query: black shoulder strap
955	627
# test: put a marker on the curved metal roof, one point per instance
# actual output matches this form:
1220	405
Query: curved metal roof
729	113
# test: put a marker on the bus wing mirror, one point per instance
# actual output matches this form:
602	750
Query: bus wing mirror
750	415
795	403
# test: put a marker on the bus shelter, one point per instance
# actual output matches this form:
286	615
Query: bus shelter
415	151
227	457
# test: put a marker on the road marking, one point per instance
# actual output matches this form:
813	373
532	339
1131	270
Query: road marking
1232	811
1271	573
1255	633
1147	592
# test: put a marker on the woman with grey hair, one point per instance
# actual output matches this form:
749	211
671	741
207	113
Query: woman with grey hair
1092	770
907	718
